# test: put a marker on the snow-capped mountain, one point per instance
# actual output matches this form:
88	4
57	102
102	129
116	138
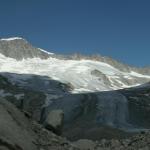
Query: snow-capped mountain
37	81
83	75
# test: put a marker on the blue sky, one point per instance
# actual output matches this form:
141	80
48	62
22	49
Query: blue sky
116	28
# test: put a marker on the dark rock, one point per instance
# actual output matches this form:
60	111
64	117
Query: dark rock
15	133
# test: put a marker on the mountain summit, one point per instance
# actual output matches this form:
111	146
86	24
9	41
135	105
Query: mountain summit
18	48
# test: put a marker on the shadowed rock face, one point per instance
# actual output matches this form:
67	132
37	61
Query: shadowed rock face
17	132
32	93
20	49
91	115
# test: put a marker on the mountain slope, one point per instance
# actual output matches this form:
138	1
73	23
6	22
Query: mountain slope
37	82
18	132
84	74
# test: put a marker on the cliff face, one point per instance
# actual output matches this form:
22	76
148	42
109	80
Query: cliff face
38	86
17	132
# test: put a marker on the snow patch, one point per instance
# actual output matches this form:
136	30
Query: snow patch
46	51
139	75
11	39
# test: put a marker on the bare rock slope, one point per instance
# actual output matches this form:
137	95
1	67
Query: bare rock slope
19	49
17	132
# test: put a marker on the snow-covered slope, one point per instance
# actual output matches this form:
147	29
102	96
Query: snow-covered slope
83	75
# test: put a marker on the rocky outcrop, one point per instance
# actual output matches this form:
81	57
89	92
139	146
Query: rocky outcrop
33	95
17	132
19	48
54	121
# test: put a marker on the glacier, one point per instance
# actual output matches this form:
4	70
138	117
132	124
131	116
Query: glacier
75	72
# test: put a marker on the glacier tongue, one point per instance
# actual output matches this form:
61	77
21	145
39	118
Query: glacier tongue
102	108
113	111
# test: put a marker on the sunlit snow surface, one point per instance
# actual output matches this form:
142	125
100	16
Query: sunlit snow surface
11	39
45	51
76	72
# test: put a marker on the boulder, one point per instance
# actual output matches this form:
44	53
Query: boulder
54	121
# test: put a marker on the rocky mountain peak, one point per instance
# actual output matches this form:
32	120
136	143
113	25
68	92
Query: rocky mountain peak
19	48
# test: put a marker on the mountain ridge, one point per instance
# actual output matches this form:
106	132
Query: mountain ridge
19	48
83	73
76	56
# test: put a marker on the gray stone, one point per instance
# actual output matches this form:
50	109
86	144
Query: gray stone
54	121
20	49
